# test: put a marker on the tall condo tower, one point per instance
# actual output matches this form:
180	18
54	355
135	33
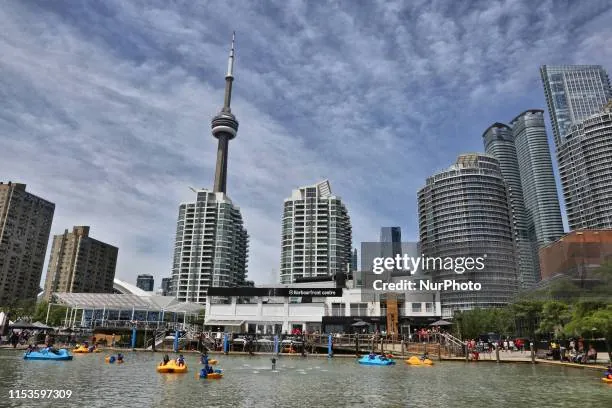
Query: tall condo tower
80	264
499	143
540	193
211	246
586	172
316	234
574	93
25	225
464	212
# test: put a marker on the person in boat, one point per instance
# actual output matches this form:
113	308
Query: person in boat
180	361
425	356
372	356
166	360
608	373
204	359
120	358
382	357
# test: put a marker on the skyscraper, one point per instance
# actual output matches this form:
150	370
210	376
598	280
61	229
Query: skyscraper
573	93
464	212
145	282
544	221
25	225
80	264
165	286
316	234
499	142
211	246
586	172
354	261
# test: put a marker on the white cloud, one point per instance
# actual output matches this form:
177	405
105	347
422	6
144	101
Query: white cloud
106	109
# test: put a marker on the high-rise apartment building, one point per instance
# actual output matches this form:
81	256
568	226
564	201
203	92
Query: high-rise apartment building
25	225
544	220
316	234
464	212
80	264
574	94
586	172
211	246
354	261
145	282
499	143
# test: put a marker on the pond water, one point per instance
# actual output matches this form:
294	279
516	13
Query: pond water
296	382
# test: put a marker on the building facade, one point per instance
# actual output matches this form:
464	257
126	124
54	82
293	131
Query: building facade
145	282
576	254
316	234
166	284
544	221
80	264
499	142
586	172
211	247
464	212
25	225
573	93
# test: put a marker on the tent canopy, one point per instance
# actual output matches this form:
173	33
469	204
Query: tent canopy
360	323
22	324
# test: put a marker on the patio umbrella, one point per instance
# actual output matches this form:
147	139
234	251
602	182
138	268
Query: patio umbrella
441	323
360	323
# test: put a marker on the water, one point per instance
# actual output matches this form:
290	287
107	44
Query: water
313	382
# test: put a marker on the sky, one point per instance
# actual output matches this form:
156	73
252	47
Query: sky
105	106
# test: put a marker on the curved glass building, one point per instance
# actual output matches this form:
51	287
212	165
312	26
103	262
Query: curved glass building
540	193
499	142
586	172
464	211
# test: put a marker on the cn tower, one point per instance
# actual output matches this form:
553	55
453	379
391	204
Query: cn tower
224	127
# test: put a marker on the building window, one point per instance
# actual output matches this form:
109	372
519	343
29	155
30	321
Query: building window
429	307
416	307
338	309
359	309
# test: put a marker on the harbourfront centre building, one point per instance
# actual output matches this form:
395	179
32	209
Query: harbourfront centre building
275	309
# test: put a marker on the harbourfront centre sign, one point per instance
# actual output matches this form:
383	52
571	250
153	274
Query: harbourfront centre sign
274	292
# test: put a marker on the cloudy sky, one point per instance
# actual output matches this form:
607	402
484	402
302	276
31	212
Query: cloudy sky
105	106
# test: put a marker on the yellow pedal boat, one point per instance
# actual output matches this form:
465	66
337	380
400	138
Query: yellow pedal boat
82	349
607	380
414	360
171	367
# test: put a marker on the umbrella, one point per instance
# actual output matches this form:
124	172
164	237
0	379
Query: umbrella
441	323
360	323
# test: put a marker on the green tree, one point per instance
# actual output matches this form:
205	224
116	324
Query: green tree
526	314
555	315
57	313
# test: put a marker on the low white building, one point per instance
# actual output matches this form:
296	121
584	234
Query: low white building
279	309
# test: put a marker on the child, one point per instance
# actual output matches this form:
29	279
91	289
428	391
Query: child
180	361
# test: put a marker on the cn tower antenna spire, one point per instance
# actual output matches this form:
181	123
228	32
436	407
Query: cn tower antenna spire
229	77
225	126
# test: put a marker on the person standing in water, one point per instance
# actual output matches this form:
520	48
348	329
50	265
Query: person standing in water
273	363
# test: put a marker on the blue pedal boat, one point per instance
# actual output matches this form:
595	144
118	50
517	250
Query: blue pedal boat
62	354
375	360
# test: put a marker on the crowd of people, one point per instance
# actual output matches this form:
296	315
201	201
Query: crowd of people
573	351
